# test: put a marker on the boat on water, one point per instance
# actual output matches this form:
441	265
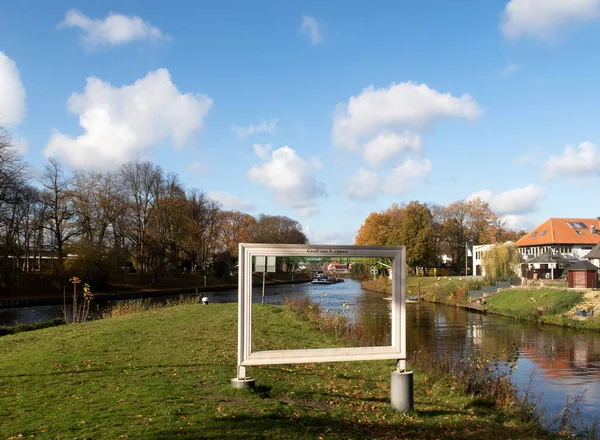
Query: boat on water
321	278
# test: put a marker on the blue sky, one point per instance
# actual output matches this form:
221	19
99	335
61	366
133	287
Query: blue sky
321	111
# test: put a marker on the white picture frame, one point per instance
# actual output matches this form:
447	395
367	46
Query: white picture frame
247	357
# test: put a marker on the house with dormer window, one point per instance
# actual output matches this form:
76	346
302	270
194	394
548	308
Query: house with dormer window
573	238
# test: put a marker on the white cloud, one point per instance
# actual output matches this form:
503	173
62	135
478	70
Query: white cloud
544	18
310	28
329	237
263	127
517	222
198	167
121	123
113	30
526	159
231	202
262	151
407	176
385	146
510	68
515	201
404	106
366	184
575	162
289	178
12	93
21	145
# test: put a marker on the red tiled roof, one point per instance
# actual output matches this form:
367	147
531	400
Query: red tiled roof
558	231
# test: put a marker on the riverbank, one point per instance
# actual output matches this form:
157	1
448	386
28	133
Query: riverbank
165	374
544	305
136	288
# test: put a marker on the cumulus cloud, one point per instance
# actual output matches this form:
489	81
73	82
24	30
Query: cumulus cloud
385	146
290	179
381	124
406	176
263	127
262	151
121	123
329	237
544	18
12	93
575	162
517	222
367	184
404	106
364	184
310	28
515	201
21	145
113	30
231	202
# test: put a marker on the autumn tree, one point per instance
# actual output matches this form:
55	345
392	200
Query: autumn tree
416	231
465	223
236	227
409	225
374	231
278	229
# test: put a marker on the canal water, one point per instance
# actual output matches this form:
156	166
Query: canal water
562	362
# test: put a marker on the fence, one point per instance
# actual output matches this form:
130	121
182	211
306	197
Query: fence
487	290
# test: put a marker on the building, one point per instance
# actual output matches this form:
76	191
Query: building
583	274
478	256
478	251
573	238
594	255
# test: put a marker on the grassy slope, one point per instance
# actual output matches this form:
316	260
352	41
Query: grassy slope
545	305
525	303
165	374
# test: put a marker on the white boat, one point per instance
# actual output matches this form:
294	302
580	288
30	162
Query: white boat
321	278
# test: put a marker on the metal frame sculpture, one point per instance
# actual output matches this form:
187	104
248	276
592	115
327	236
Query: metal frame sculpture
247	357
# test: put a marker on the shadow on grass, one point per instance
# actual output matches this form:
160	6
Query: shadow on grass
326	426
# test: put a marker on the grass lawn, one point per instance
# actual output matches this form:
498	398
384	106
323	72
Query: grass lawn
544	305
166	374
413	284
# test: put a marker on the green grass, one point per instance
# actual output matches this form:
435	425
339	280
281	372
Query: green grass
534	304
426	284
166	374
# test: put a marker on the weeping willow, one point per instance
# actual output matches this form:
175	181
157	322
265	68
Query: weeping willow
502	261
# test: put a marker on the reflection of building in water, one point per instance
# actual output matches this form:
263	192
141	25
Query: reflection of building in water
475	333
580	353
558	361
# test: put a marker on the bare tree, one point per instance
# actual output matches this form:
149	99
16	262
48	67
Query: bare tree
140	181
59	209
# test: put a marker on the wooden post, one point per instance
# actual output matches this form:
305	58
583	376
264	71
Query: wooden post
419	294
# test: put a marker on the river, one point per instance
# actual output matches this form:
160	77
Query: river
564	362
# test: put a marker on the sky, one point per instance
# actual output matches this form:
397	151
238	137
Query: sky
320	111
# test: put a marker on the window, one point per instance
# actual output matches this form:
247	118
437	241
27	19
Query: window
534	234
578	232
577	225
586	248
543	233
